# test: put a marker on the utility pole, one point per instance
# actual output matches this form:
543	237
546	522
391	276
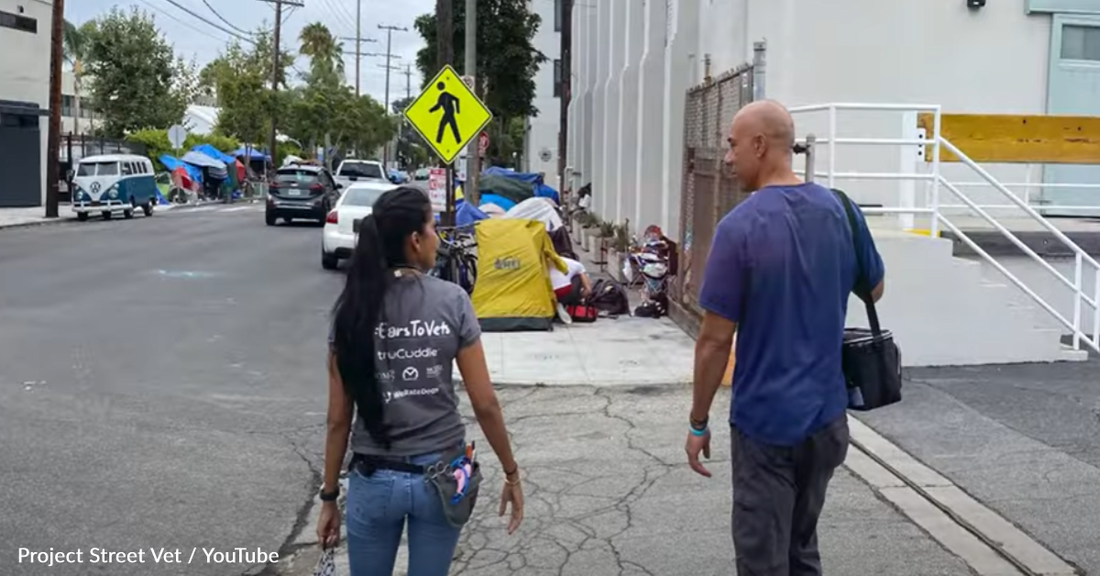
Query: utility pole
359	40
53	138
408	81
389	51
566	88
444	30
275	65
473	149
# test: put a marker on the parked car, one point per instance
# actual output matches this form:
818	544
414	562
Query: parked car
342	223
301	192
361	170
422	174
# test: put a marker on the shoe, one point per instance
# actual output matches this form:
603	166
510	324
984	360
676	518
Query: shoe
563	315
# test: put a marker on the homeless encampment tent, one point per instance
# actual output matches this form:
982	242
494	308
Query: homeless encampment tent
542	209
512	292
539	187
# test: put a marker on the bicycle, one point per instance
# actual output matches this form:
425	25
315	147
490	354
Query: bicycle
456	257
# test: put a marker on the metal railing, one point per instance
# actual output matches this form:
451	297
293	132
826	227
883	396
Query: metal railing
934	209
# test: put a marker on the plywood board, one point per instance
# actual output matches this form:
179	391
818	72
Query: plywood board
1007	138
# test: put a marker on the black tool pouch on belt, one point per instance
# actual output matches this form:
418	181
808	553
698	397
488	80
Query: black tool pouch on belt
871	360
441	476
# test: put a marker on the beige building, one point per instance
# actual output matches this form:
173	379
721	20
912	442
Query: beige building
24	100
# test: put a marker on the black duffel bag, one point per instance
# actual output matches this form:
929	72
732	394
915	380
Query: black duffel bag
871	360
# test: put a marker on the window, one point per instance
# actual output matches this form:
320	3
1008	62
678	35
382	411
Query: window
67	105
127	168
1080	42
557	79
558	15
361	170
18	22
297	177
362	196
107	169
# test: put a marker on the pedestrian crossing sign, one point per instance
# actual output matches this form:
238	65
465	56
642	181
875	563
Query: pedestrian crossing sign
448	115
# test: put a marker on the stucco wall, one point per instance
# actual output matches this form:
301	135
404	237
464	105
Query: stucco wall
25	63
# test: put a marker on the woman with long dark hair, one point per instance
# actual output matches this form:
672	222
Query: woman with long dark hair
396	334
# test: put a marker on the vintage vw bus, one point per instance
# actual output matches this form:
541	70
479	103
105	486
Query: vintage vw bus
114	183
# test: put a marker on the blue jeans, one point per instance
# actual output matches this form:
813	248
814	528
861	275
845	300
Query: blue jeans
377	508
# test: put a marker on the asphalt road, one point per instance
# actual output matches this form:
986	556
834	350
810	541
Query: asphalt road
1021	438
161	385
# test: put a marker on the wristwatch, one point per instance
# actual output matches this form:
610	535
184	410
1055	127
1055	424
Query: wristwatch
330	496
698	424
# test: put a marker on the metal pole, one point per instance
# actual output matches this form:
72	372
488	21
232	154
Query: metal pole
275	76
759	70
810	153
473	150
53	136
358	41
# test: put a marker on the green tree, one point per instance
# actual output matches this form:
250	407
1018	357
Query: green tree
507	61
156	143
132	71
76	44
240	79
325	53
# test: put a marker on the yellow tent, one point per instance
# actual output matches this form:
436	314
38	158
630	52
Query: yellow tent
512	292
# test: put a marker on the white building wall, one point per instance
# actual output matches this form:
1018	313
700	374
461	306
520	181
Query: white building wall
992	60
651	129
626	150
25	64
543	129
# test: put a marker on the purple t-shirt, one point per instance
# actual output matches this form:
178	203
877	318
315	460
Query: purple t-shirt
781	265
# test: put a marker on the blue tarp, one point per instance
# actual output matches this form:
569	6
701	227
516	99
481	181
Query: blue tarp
215	153
529	177
501	201
541	189
252	154
172	163
468	214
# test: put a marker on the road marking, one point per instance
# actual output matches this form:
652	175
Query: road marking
988	543
237	209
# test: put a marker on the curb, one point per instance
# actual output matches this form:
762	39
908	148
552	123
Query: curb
68	218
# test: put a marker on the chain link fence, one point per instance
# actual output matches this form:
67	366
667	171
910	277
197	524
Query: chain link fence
709	190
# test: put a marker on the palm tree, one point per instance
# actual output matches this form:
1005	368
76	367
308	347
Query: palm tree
325	53
76	42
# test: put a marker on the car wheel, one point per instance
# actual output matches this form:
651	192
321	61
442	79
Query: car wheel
269	218
147	208
329	261
82	216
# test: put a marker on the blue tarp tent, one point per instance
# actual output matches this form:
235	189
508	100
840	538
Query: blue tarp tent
540	188
215	154
468	214
501	201
251	154
217	168
172	163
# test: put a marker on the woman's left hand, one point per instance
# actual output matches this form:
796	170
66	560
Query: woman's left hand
328	525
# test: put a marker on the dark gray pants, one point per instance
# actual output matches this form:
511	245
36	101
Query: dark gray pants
778	493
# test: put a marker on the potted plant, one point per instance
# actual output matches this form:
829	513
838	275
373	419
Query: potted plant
589	222
598	242
617	251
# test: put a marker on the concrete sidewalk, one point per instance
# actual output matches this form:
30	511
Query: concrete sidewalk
608	492
35	215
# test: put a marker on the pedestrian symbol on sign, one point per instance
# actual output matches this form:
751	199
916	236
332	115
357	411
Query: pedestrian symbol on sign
450	106
448	115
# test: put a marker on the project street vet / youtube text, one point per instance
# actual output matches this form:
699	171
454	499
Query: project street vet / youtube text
196	554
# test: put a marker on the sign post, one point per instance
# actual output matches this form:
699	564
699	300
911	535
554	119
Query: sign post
448	116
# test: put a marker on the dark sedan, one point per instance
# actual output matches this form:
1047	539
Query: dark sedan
301	192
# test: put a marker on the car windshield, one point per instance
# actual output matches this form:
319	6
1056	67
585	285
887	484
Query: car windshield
297	177
361	170
100	168
362	196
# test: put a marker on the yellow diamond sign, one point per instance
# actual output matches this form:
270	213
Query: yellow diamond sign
448	115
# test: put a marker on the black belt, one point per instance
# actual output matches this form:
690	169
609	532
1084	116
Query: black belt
367	465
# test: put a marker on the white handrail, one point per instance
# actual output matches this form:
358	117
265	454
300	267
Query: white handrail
938	142
1019	203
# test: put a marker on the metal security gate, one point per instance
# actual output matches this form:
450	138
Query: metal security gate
20	154
709	191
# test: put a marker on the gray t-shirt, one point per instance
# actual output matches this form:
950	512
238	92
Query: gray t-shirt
426	322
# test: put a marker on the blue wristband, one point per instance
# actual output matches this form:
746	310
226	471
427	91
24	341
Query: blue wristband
697	432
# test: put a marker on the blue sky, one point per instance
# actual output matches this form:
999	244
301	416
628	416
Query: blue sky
201	40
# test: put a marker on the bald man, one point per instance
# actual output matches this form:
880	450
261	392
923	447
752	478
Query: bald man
781	267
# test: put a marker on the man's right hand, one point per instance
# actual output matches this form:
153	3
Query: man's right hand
695	445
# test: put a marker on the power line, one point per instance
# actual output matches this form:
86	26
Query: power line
178	19
203	19
222	18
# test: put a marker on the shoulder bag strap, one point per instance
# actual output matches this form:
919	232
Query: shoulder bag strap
862	289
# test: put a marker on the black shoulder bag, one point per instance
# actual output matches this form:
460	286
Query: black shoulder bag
871	360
